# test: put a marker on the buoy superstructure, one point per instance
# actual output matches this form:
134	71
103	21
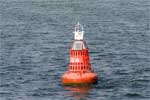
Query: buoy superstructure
79	70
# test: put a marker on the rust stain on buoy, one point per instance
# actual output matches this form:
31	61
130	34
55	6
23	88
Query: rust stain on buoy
80	70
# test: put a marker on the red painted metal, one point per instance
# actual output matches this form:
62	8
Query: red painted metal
80	69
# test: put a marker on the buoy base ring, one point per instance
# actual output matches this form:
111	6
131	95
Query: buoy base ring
79	78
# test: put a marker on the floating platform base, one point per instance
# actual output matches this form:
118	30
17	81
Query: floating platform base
74	78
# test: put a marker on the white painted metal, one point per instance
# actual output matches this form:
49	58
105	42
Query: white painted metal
78	33
79	45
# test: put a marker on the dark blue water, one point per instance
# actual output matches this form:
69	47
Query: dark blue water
35	37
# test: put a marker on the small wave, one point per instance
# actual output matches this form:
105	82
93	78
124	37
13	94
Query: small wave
133	95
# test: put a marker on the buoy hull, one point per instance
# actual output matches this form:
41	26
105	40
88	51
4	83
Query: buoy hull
79	78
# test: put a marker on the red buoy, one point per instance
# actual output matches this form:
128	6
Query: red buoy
80	70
